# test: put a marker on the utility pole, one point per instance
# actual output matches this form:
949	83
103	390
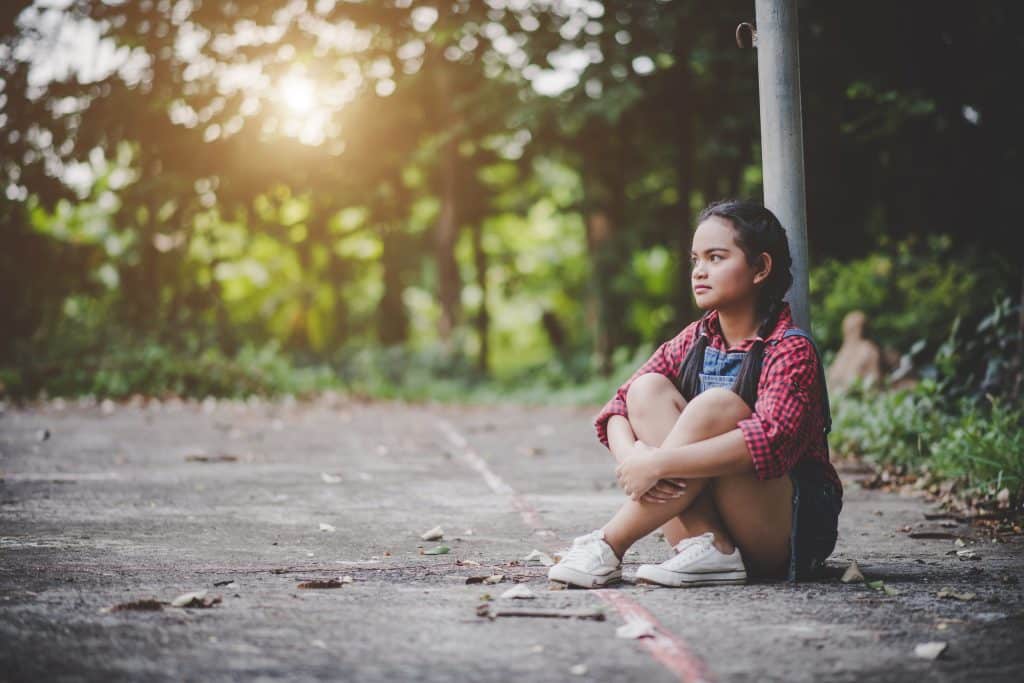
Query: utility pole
782	138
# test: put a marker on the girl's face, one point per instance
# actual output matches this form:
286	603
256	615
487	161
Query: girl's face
721	277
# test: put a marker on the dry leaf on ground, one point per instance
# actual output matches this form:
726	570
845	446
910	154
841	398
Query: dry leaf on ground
949	593
930	650
935	535
321	583
330	478
144	605
437	550
852	574
881	586
202	457
636	628
434	534
537	555
519	591
196	599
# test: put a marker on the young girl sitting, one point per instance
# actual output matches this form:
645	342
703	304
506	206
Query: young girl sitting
707	430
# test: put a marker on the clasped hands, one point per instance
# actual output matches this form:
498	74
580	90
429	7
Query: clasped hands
638	478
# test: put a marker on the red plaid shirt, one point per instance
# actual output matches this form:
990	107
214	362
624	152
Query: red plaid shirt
787	422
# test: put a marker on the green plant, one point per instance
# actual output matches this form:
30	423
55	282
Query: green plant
910	290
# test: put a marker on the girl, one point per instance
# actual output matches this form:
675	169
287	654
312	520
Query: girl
707	429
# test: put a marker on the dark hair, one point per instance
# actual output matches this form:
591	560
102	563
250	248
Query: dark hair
757	231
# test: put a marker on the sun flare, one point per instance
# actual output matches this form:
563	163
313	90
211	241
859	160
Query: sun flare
298	93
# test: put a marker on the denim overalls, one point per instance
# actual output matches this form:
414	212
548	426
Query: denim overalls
815	518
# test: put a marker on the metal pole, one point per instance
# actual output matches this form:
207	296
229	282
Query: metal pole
782	140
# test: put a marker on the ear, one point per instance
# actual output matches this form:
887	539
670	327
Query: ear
762	274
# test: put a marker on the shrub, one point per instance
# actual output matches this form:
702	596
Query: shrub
910	290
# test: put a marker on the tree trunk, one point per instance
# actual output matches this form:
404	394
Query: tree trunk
449	282
604	182
685	142
482	319
392	318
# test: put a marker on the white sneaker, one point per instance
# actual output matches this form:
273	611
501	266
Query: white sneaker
589	563
697	563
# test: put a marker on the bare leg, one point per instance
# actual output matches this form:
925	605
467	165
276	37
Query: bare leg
713	412
757	514
654	406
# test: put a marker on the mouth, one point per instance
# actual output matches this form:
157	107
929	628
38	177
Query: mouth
701	288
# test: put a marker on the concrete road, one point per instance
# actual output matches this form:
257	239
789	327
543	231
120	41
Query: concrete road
105	505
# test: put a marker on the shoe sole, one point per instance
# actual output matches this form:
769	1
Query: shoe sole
663	577
582	579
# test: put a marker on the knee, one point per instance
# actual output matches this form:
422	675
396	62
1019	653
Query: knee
649	389
718	401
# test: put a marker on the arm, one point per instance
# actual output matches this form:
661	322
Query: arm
774	437
620	437
665	361
720	455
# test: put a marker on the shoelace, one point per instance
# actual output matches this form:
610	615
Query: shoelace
696	547
691	540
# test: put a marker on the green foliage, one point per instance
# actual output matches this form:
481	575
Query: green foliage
983	358
910	290
156	370
963	421
889	428
979	445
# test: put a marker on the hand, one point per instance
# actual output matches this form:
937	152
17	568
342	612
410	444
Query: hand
636	472
665	489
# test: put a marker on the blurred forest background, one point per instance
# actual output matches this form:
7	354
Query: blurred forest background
476	199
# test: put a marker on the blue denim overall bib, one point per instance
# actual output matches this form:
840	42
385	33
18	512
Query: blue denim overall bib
816	502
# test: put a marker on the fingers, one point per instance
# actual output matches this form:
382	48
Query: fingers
662	492
675	489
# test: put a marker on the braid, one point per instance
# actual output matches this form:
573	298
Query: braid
750	371
693	363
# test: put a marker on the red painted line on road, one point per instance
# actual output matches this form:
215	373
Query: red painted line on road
666	647
496	484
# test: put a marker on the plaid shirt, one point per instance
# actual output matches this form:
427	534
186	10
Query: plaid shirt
787	422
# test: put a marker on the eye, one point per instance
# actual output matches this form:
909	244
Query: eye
716	256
